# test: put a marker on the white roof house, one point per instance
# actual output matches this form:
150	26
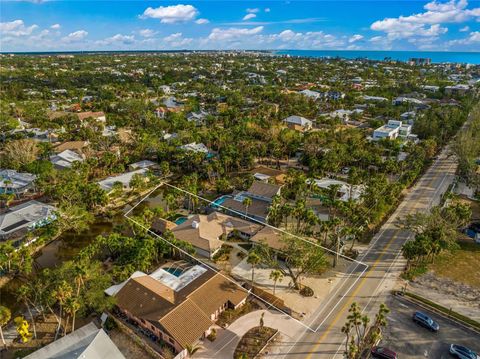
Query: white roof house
24	217
311	94
374	98
86	342
141	164
298	121
124	179
65	159
392	130
346	191
195	147
12	181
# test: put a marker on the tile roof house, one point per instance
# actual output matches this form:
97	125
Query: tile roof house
65	159
177	308
86	342
26	216
205	232
15	182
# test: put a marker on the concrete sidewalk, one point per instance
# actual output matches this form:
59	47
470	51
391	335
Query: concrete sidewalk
228	339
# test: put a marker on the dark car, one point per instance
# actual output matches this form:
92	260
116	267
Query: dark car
462	352
383	353
425	321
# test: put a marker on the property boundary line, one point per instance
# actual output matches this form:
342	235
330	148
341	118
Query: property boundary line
269	305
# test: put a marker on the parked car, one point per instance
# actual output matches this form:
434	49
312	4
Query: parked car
383	353
462	352
425	321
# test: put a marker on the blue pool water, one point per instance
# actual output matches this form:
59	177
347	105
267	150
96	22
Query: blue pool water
219	201
175	271
180	220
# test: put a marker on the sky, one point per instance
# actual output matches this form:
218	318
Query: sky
64	25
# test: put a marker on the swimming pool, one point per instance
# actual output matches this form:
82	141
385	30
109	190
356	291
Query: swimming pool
219	201
175	271
180	220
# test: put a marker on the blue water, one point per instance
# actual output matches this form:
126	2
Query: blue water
219	201
175	271
180	220
437	57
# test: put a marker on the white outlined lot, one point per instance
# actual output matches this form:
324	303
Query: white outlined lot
354	267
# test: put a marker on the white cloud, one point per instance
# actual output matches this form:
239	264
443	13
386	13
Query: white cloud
427	23
267	9
202	21
233	33
75	36
173	37
147	32
171	14
473	38
55	26
249	16
355	37
253	11
465	29
16	28
176	40
117	39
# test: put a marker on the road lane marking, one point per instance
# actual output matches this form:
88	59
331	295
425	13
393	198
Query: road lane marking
350	300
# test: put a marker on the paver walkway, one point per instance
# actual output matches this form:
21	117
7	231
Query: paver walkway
227	339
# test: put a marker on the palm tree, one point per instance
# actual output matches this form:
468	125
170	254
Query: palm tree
71	308
253	259
5	316
276	276
192	349
247	202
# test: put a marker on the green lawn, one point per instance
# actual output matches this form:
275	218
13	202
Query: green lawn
461	265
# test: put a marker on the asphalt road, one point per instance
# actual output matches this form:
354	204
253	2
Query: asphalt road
418	342
366	285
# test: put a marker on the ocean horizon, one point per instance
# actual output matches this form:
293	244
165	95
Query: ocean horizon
380	55
435	56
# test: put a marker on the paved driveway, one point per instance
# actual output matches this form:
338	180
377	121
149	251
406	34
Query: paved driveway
227	339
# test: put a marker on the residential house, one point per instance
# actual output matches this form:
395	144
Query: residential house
267	175
261	195
15	182
333	95
86	342
207	232
65	159
392	130
20	219
76	146
197	117
97	116
195	147
374	98
142	164
430	88
172	104
457	90
314	95
345	191
125	178
298	123
178	303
